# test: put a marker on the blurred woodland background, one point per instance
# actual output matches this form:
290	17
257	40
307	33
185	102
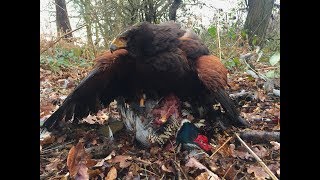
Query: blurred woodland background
230	28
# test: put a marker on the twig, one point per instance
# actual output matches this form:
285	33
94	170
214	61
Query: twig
228	170
260	75
264	166
142	161
218	36
59	38
46	150
178	165
146	170
221	146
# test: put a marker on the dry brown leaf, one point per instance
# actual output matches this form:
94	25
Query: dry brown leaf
276	145
47	138
165	169
94	173
231	173
82	173
112	174
134	168
203	176
260	151
53	165
77	158
61	139
129	176
258	171
242	153
192	162
100	163
275	167
123	160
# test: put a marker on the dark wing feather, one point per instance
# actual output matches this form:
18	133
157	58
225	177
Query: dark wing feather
213	75
98	88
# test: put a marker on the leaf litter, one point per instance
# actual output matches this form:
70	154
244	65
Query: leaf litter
122	158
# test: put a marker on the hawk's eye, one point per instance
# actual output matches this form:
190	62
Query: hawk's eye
123	38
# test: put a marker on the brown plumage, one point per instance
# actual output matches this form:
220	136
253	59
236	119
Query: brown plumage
158	60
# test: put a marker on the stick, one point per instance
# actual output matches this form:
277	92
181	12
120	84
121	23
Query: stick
256	136
142	161
178	165
59	38
264	166
221	147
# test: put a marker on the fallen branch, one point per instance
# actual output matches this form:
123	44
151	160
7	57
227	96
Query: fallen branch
243	95
264	166
256	137
59	38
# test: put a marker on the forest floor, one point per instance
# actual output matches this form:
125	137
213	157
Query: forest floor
79	153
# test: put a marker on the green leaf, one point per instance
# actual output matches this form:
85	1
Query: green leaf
230	64
274	59
212	31
243	34
236	61
271	74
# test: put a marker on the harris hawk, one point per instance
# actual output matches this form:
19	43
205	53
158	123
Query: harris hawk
158	60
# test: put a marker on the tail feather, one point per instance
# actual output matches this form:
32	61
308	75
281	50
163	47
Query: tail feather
231	111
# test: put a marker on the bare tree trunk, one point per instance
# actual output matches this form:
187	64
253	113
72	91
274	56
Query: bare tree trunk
87	19
62	19
150	11
173	9
257	20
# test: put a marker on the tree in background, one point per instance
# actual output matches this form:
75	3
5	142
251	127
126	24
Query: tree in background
257	20
105	19
173	9
62	19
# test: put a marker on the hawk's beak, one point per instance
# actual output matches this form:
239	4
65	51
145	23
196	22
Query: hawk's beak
117	43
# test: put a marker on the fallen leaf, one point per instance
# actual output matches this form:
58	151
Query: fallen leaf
203	176
77	158
241	153
260	151
82	173
46	138
52	166
165	169
134	168
123	160
94	173
129	176
112	174
258	171
192	162
276	145
275	167
101	163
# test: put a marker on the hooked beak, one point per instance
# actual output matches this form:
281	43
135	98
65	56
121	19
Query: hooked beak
117	43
